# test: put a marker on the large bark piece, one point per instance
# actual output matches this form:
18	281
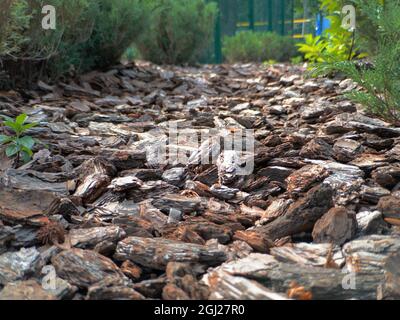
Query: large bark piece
301	215
89	238
95	179
19	265
369	253
336	226
84	268
21	205
279	277
156	253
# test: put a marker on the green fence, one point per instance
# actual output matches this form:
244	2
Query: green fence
280	16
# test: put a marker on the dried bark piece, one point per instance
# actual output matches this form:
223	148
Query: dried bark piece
336	226
232	221
34	180
124	183
368	254
276	173
255	239
301	215
386	176
184	204
317	149
175	176
96	175
84	268
6	235
156	253
131	270
183	283
151	288
345	180
302	180
209	230
346	150
89	238
18	206
277	208
390	288
371	222
373	194
131	225
310	254
112	288
172	292
323	283
25	290
182	233
390	208
359	122
125	159
298	292
223	192
19	265
224	286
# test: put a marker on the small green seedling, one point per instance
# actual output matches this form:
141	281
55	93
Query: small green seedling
19	145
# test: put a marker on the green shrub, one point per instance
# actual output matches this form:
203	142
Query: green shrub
251	46
12	21
89	34
381	79
179	32
117	25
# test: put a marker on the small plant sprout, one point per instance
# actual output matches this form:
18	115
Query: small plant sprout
19	144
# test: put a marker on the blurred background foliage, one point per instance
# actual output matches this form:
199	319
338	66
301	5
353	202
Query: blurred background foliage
94	34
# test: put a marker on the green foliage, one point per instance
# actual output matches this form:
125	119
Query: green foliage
248	46
131	54
336	44
12	21
117	25
381	83
19	145
179	32
325	49
89	34
296	60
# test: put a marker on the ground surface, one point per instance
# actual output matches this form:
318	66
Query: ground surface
97	215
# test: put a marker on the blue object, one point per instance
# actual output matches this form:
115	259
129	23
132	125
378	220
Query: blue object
321	24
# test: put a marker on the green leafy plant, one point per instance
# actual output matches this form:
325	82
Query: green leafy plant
320	49
249	46
380	79
19	145
336	44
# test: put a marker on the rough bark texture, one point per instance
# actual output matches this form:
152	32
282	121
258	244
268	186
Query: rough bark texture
156	253
301	215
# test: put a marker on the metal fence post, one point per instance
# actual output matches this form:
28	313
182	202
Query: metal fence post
292	18
283	7
251	14
270	26
217	35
